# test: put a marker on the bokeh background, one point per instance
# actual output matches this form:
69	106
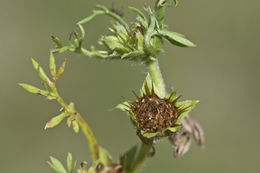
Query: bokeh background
222	72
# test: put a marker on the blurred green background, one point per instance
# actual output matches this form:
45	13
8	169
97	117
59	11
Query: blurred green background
222	72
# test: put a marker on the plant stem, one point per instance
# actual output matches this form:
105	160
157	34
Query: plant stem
92	141
156	75
144	150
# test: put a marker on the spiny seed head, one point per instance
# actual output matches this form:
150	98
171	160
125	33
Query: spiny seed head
153	113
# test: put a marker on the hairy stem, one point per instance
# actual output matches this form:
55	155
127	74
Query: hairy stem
156	75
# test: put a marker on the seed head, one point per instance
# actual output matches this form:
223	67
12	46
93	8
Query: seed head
153	113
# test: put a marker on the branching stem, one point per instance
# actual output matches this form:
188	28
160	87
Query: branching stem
92	141
155	72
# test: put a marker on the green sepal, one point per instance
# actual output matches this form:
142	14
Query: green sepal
52	64
172	129
56	165
124	106
148	81
172	96
176	38
150	135
187	105
56	120
41	73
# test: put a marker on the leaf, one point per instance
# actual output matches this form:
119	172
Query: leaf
55	120
69	121
140	41
187	106
89	18
113	44
176	38
134	55
148	36
114	16
140	17
33	89
41	73
57	41
75	126
62	68
52	65
56	165
120	32
69	163
129	158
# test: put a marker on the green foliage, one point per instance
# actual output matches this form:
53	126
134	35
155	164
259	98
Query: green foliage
58	167
139	41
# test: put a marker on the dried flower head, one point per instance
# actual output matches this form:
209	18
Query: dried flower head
155	116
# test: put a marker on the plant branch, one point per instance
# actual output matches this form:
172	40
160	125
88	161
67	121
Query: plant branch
156	75
92	141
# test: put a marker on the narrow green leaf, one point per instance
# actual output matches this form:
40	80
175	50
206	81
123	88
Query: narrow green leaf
69	163
134	55
56	165
52	64
187	106
148	41
139	12
176	38
62	68
69	120
140	41
57	41
81	30
33	89
41	73
55	120
113	44
114	16
89	18
75	126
